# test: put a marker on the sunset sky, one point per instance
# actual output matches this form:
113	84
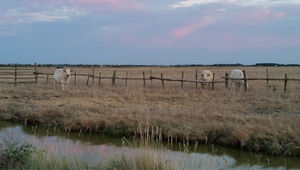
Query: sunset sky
149	31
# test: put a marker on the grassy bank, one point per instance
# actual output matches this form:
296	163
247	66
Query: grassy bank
258	120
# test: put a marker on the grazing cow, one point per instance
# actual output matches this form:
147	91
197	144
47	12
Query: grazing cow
237	74
62	76
207	77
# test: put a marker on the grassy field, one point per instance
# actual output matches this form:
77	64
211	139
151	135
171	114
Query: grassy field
263	119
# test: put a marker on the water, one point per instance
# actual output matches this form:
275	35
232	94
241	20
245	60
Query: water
95	148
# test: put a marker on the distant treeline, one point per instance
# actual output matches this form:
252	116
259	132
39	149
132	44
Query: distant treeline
134	65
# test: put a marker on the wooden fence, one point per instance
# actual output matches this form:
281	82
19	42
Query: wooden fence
14	75
33	75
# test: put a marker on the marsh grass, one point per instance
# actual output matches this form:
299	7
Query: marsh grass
39	160
18	155
259	120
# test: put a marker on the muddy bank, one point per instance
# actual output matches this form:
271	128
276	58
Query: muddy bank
258	122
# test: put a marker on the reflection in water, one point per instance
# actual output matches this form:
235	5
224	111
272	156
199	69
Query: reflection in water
95	148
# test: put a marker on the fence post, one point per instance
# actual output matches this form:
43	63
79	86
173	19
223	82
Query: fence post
114	78
87	81
162	79
150	78
182	76
126	78
285	82
196	77
213	83
75	78
47	78
93	75
245	81
226	80
267	75
35	72
99	81
15	73
144	80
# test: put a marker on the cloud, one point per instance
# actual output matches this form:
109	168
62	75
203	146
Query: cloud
6	33
239	42
106	28
279	15
25	15
189	3
186	30
112	4
260	14
255	17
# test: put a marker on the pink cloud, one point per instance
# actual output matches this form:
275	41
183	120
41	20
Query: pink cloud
279	15
186	30
256	16
230	41
260	14
223	41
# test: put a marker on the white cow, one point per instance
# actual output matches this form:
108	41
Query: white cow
206	76
237	74
62	76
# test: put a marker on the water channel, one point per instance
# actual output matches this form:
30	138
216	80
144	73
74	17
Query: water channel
95	148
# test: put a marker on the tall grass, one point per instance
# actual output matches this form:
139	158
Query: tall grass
258	120
17	155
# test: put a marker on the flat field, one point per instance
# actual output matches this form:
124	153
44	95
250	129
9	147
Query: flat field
263	119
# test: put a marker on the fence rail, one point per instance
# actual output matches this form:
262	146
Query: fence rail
18	75
272	79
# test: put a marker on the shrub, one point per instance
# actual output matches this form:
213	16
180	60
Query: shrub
14	154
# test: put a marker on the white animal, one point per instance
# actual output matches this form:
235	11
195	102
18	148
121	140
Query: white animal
62	76
206	76
237	74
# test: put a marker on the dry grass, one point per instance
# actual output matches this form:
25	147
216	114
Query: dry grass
259	120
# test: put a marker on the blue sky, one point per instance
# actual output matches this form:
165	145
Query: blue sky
150	32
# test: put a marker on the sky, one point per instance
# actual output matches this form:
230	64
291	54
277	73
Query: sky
149	31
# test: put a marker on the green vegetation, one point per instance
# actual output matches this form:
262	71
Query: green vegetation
14	155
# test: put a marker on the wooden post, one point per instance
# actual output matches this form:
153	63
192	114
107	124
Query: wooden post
213	83
93	70
226	80
87	81
99	81
267	75
47	78
150	79
114	78
75	78
35	72
196	78
144	79
245	81
162	79
15	73
126	78
285	82
182	77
